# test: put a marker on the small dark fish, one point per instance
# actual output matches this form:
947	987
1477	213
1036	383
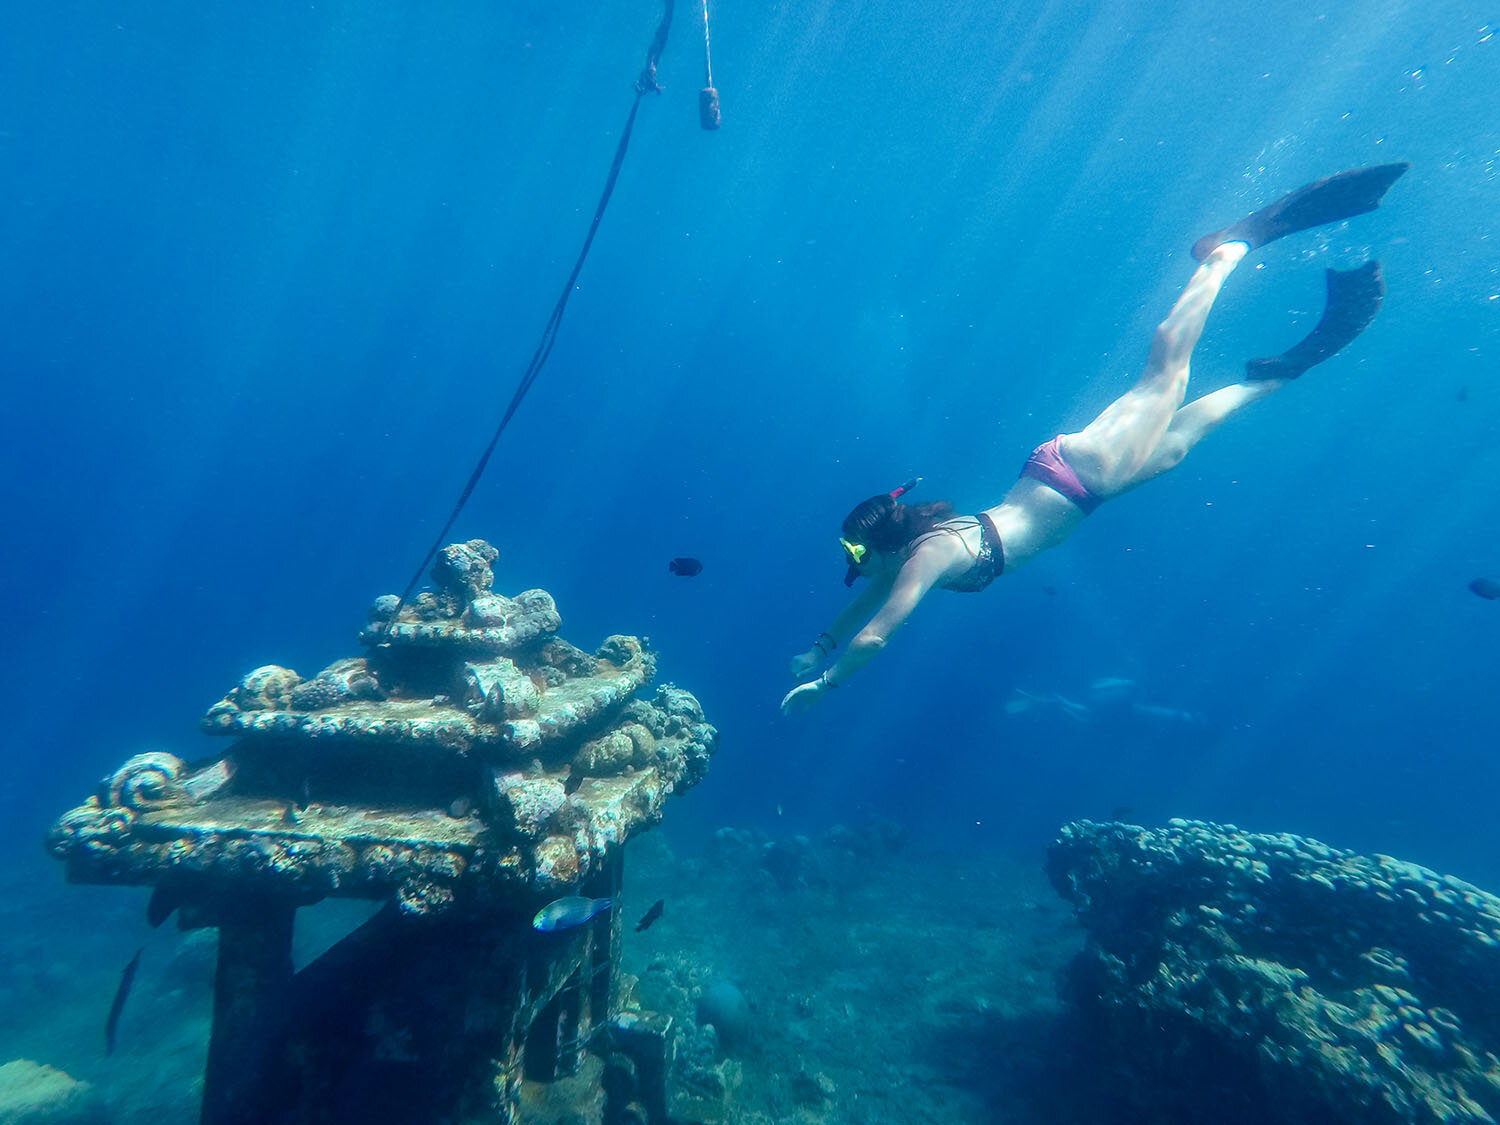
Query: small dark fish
164	900
565	913
112	1024
685	568
651	915
1121	813
1463	394
1486	588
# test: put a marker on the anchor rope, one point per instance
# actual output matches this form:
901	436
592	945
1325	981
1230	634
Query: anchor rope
645	84
708	65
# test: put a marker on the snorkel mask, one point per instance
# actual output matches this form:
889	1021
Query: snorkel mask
856	553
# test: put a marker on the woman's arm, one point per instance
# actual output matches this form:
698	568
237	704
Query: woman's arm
911	584
910	587
859	610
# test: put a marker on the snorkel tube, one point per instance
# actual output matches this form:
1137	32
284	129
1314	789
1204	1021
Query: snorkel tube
902	490
857	552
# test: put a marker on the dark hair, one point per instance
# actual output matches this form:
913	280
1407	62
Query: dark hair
883	524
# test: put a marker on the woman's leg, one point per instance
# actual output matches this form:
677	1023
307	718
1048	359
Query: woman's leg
1354	298
1197	420
1111	452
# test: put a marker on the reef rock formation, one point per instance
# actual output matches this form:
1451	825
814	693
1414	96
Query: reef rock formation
32	1094
1235	977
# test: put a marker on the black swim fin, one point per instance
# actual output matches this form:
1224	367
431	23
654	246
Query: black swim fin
1353	300
1328	200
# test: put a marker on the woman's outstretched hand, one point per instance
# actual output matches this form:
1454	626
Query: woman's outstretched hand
806	663
803	696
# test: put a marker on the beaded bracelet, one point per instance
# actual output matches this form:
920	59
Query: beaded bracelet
832	644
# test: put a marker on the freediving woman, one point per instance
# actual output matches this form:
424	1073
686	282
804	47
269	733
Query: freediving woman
906	550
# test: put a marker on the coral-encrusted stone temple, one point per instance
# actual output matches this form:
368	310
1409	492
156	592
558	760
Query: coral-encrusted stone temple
471	766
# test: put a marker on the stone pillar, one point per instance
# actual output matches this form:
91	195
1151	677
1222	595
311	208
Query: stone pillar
251	990
639	1068
552	1042
607	927
415	1020
578	1008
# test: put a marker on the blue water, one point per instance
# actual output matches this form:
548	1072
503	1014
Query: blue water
272	272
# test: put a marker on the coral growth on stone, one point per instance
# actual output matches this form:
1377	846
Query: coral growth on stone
463	569
33	1094
343	680
1277	979
267	688
469	752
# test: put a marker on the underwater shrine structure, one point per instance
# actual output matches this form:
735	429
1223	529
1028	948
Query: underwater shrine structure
468	768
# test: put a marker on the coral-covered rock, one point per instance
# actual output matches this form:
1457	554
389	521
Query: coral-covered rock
33	1094
489	623
470	765
470	751
620	651
556	863
383	608
498	690
610	753
642	744
1278	979
343	680
268	688
528	804
464	569
147	781
568	659
488	611
723	1005
428	606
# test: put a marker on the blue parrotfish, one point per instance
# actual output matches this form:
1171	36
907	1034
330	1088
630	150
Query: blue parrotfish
565	913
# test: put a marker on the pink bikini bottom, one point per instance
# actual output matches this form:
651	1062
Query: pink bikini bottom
1047	465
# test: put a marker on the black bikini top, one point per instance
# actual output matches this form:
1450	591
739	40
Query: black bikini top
989	562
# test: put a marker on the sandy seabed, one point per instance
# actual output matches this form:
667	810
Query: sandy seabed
882	981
